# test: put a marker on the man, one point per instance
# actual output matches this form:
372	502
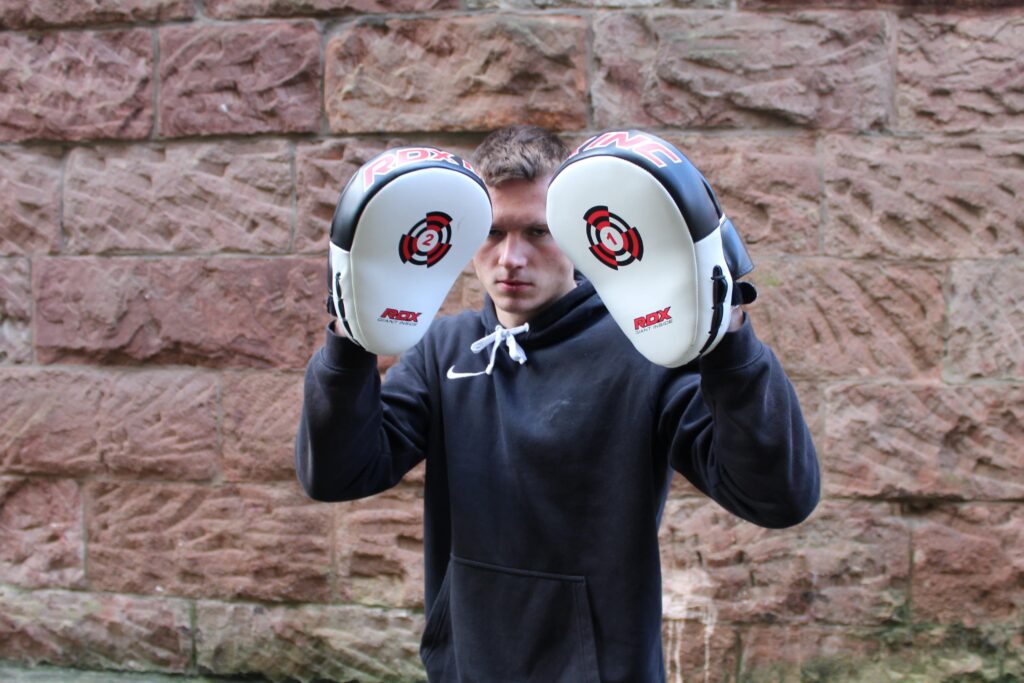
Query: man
548	466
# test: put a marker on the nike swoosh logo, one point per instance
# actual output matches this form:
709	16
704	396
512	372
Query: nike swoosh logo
451	374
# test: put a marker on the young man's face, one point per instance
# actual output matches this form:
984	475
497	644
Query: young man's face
519	265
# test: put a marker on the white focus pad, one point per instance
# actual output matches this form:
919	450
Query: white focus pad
411	241
623	230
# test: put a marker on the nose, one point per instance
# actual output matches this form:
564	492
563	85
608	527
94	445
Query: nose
513	251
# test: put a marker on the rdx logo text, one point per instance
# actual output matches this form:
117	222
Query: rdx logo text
400	316
389	161
651	319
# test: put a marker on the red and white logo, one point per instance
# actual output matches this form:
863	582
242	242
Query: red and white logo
389	161
407	317
428	241
652	149
613	241
653	319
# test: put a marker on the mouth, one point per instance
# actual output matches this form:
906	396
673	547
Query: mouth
512	285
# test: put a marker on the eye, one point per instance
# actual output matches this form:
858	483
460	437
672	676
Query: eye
539	231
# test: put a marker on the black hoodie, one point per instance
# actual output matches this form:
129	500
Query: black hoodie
545	481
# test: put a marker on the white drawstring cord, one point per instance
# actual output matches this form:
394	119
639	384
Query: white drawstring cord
494	339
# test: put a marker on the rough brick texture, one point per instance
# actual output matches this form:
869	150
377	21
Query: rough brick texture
15	311
223	312
76	85
849	564
94	631
321	171
29	200
926	440
143	424
232	541
168	174
20	14
960	74
838	318
260	412
333	643
925	5
465	73
969	564
768	186
233	9
252	78
729	69
379	546
41	533
179	198
924	198
986	320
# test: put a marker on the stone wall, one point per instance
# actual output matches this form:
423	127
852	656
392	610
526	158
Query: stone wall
167	172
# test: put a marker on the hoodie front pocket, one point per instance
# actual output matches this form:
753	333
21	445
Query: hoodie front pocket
510	625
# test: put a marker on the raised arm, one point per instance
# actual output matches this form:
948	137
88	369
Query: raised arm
739	435
355	440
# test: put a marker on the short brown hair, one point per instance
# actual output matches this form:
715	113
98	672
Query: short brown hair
518	153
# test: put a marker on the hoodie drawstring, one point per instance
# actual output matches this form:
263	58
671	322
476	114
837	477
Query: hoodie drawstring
494	340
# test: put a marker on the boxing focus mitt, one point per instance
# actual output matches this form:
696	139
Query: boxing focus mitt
406	225
645	227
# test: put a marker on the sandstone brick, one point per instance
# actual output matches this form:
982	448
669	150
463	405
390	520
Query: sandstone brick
321	172
29	200
76	85
969	564
786	654
470	295
15	311
831	318
19	14
954	653
94	630
222	312
927	198
848	564
261	414
728	69
812	405
768	186
338	643
49	674
41	533
793	654
234	9
925	441
156	424
700	649
882	4
379	546
986	320
247	78
457	73
959	73
230	196
231	541
591	4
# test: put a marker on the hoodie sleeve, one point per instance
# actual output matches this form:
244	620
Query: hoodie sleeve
738	434
353	441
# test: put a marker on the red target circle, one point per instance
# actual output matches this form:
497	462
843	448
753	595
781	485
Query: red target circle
428	241
613	241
